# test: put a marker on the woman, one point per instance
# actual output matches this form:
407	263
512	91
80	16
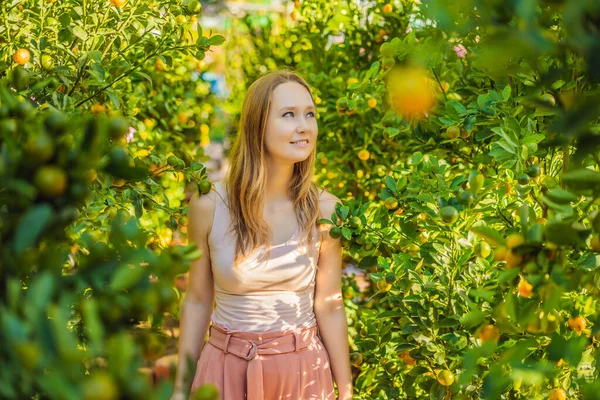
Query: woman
279	329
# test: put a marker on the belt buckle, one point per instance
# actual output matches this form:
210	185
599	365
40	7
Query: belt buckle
252	351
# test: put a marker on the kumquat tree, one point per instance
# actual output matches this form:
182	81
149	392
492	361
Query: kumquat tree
462	138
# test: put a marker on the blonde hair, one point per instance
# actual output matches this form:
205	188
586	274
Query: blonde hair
246	179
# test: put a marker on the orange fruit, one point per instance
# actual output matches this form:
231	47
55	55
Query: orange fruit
47	62
90	175
500	253
482	249
525	289
578	324
449	214
118	3
388	8
159	65
411	92
50	180
364	154
514	240
40	148
548	99
98	108
453	132
118	182
476	181
294	15
445	378
391	203
205	187
348	292
512	259
489	332
194	7
557	394
372	103
383	285
408	360
22	56
182	117
560	362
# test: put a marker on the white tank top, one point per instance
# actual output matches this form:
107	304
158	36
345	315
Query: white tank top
261	294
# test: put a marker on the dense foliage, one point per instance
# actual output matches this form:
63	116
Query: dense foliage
463	141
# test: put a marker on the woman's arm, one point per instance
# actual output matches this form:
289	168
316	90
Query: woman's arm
198	302
329	304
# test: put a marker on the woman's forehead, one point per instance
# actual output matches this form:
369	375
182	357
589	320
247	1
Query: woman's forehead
291	94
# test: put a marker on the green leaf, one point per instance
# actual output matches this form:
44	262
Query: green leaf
527	215
510	137
561	196
80	32
437	391
506	92
193	254
562	233
487	295
138	207
447	323
389	313
582	179
473	318
489	235
92	320
416	158
143	75
216	40
589	262
367	262
373	71
390	183
391	131
457	106
507	275
342	211
126	277
347	233
31	225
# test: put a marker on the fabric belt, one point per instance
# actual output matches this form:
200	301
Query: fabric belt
253	351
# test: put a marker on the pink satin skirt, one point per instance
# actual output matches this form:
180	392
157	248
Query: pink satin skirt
290	365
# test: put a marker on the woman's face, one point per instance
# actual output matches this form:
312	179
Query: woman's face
292	118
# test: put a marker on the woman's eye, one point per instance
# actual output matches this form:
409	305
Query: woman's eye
290	112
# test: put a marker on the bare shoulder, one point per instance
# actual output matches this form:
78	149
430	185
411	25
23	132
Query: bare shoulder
327	202
202	210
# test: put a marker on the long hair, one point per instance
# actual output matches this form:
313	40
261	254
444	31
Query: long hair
246	179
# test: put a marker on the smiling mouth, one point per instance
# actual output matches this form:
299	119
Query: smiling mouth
300	142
